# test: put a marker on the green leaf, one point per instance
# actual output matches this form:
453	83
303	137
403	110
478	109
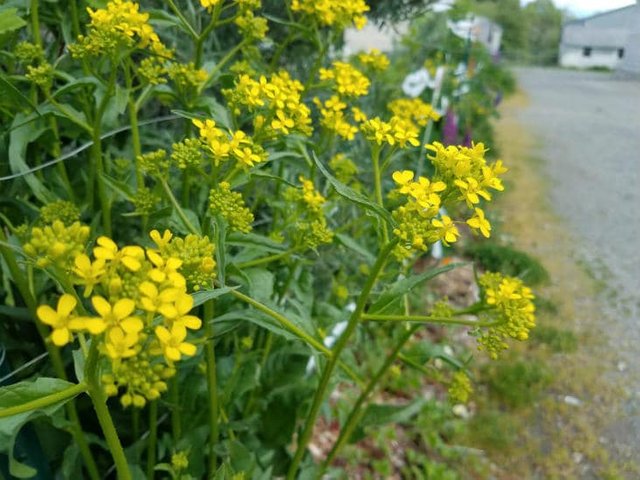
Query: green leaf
261	174
377	414
351	244
18	394
9	20
203	295
351	195
261	283
19	140
255	240
9	91
121	188
390	298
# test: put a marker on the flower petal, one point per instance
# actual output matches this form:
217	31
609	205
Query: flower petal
101	306
188	349
60	336
47	315
123	308
66	304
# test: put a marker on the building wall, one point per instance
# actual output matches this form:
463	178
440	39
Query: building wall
600	57
631	61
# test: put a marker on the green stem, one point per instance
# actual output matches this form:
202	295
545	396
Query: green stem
321	390
427	319
96	152
223	61
153	438
357	410
135	131
176	410
99	400
35	23
178	208
212	384
377	179
45	401
182	18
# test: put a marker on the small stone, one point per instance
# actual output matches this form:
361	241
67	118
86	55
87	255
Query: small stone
573	401
461	411
622	366
577	457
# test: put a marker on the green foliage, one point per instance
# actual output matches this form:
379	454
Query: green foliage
558	340
177	245
500	258
516	383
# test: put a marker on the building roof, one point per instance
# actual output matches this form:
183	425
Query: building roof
596	15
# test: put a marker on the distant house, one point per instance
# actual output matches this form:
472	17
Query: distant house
608	39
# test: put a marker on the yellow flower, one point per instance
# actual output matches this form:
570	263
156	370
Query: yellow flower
129	256
89	273
176	312
479	222
120	344
161	241
445	230
471	191
164	268
153	300
117	316
173	344
59	319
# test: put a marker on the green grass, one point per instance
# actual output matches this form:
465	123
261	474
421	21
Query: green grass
516	383
558	340
509	261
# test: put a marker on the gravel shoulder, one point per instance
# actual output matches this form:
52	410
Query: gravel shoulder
573	139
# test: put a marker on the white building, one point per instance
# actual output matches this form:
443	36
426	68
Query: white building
608	39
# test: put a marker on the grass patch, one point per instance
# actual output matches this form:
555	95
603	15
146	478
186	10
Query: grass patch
516	383
558	340
509	261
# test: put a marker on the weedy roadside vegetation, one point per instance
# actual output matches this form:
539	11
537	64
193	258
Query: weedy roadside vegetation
207	230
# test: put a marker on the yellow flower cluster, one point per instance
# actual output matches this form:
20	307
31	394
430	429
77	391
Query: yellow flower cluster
275	102
334	13
413	109
187	153
306	223
512	308
141	317
56	244
334	118
460	388
418	221
195	253
468	177
155	164
251	27
230	205
398	132
223	145
42	75
347	80
374	59
119	25
186	76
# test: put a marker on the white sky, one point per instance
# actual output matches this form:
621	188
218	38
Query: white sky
587	7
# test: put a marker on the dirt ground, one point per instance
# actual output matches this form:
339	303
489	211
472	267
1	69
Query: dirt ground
572	139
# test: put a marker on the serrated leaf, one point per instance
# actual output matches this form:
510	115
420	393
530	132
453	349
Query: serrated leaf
9	20
351	195
393	295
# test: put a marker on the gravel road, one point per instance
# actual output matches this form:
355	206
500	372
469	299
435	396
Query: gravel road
587	127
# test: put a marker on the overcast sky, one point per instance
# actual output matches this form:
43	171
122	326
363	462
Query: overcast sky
587	7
